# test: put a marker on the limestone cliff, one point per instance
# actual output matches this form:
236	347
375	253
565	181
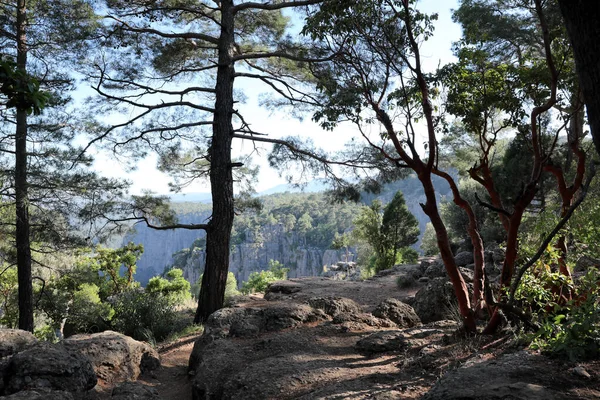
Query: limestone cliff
271	243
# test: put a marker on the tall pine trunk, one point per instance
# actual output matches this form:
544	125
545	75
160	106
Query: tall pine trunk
22	207
218	233
581	19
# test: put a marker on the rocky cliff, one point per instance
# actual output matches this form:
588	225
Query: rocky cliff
271	243
269	234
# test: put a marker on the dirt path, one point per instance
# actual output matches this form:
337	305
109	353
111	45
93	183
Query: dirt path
171	379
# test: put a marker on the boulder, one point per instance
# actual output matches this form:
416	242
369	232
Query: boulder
335	305
415	270
49	367
283	287
15	340
114	356
381	341
40	394
289	316
467	274
518	376
12	341
402	314
350	319
134	391
436	270
248	322
464	258
585	262
435	301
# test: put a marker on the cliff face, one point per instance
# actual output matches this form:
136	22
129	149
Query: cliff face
253	254
159	246
271	243
271	236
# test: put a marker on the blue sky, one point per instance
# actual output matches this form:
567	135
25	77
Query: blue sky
437	50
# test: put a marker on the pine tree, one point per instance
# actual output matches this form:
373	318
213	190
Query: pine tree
45	177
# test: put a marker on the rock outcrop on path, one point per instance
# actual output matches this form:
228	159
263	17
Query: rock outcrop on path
364	340
70	369
114	356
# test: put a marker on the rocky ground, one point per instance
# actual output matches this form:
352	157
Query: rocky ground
317	338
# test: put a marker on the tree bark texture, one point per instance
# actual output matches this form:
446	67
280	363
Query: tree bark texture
460	287
23	245
218	233
582	21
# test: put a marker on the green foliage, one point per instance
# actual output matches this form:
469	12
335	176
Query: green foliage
573	330
143	316
88	312
109	262
389	231
230	287
429	241
22	90
259	281
9	309
409	255
457	222
175	287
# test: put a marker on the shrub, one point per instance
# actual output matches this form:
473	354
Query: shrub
175	287
429	241
259	281
409	255
144	316
573	330
230	287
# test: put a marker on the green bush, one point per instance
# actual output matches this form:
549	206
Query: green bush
259	281
573	330
429	241
144	316
230	287
409	255
175	287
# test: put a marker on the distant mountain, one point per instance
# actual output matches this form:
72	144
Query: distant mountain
201	197
198	197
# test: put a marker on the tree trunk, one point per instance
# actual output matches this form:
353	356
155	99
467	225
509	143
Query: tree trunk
218	234
460	287
581	19
22	208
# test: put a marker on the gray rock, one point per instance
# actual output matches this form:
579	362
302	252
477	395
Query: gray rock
585	262
402	314
249	322
40	394
436	270
464	258
289	316
467	274
435	301
363	318
50	367
134	391
518	376
249	326
222	319
114	356
284	287
381	341
415	271
335	305
424	279
15	340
